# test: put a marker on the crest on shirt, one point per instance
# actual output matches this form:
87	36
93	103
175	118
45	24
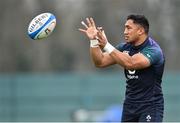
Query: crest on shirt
148	118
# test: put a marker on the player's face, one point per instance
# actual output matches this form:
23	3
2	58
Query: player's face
131	31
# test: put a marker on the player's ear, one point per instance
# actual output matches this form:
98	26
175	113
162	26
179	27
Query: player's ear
141	31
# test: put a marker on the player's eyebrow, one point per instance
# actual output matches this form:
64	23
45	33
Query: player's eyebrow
127	26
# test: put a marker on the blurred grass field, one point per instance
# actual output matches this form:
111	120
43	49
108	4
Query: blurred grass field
54	97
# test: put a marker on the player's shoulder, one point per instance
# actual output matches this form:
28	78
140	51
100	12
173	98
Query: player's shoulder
123	46
152	44
153	51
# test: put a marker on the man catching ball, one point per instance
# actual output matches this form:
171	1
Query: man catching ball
143	62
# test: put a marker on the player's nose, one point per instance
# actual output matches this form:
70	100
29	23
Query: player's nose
125	32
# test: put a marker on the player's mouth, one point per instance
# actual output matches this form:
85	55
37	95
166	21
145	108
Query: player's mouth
126	37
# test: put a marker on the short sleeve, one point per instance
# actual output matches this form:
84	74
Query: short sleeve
153	54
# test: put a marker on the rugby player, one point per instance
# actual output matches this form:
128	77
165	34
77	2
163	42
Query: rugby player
143	62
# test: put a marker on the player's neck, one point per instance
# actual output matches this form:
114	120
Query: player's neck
140	40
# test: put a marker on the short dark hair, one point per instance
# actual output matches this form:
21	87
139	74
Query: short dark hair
141	20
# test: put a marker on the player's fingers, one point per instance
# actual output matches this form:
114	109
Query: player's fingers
103	33
99	31
88	21
92	22
82	30
84	24
99	35
99	28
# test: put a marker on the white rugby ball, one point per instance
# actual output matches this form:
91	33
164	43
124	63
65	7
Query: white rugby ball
42	26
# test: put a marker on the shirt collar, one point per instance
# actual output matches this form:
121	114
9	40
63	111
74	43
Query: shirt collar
141	45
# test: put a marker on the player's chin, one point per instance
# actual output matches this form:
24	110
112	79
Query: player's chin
126	39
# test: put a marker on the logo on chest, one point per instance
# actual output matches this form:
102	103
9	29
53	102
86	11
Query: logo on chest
131	74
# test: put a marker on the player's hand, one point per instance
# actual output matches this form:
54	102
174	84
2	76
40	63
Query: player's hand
90	30
101	36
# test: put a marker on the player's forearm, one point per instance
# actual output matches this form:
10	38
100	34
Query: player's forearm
122	59
96	55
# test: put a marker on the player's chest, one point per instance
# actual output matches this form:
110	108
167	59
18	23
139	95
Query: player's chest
132	51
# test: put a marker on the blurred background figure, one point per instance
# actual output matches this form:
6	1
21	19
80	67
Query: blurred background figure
80	115
112	114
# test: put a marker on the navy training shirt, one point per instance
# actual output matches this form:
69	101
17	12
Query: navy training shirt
144	85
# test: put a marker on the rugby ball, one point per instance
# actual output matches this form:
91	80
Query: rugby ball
41	26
